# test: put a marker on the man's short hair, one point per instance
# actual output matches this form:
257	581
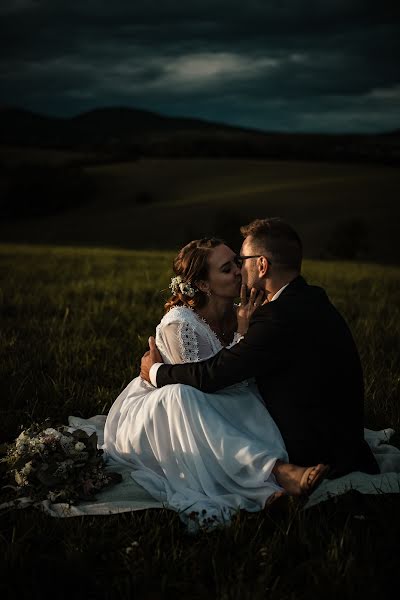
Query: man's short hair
278	240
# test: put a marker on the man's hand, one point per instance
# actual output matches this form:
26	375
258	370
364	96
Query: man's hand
149	359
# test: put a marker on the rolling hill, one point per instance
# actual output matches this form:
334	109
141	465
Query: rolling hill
125	133
127	178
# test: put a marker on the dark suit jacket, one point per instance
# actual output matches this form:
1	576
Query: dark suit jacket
308	371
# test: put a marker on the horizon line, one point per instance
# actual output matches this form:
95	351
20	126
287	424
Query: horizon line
116	107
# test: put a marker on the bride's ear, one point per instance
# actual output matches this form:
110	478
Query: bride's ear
202	286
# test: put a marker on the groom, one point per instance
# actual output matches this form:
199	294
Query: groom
299	349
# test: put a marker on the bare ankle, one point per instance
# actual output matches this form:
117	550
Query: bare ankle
277	466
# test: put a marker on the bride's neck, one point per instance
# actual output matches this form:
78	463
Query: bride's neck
217	311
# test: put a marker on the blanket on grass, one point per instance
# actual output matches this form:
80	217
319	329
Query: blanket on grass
128	496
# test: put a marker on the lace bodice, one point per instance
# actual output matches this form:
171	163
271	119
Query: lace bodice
182	336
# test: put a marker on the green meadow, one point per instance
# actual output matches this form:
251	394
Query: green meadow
74	325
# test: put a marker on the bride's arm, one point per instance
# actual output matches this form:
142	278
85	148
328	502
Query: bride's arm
179	342
249	358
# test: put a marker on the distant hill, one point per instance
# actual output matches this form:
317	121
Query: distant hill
102	125
125	133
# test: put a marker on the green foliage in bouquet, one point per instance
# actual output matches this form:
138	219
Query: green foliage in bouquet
56	465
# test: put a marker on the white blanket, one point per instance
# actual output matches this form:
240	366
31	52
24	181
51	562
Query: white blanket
128	496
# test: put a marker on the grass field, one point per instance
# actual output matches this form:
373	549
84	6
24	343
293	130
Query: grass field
164	203
74	324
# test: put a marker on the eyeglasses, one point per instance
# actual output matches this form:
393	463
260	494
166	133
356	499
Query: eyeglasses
239	259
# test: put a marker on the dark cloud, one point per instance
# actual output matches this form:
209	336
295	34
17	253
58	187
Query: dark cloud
298	65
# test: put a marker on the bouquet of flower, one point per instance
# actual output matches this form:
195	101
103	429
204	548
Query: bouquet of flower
56	465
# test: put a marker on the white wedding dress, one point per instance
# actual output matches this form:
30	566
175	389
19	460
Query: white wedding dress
203	455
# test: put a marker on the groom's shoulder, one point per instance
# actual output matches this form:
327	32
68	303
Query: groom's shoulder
299	289
298	299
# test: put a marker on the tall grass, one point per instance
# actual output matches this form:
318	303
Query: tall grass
74	324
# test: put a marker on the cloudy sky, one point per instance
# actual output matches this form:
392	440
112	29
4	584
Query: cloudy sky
288	65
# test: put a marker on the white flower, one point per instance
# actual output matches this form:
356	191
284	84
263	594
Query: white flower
67	444
36	444
21	443
27	468
20	447
185	287
52	432
20	478
39	452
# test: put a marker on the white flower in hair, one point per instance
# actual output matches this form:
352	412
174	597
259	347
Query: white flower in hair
185	287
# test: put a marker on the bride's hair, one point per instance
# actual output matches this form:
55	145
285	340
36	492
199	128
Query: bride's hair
191	264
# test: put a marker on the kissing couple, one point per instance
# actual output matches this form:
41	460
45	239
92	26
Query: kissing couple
268	397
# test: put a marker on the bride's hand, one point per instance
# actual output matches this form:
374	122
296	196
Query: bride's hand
247	306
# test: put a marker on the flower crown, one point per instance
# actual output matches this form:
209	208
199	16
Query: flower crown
185	287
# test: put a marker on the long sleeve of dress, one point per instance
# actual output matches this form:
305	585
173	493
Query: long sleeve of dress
181	342
178	341
248	358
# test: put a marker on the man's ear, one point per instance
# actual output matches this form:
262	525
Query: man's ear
263	266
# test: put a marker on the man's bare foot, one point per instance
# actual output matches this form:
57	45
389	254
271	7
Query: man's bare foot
299	481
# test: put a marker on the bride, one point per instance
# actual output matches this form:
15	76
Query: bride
203	454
